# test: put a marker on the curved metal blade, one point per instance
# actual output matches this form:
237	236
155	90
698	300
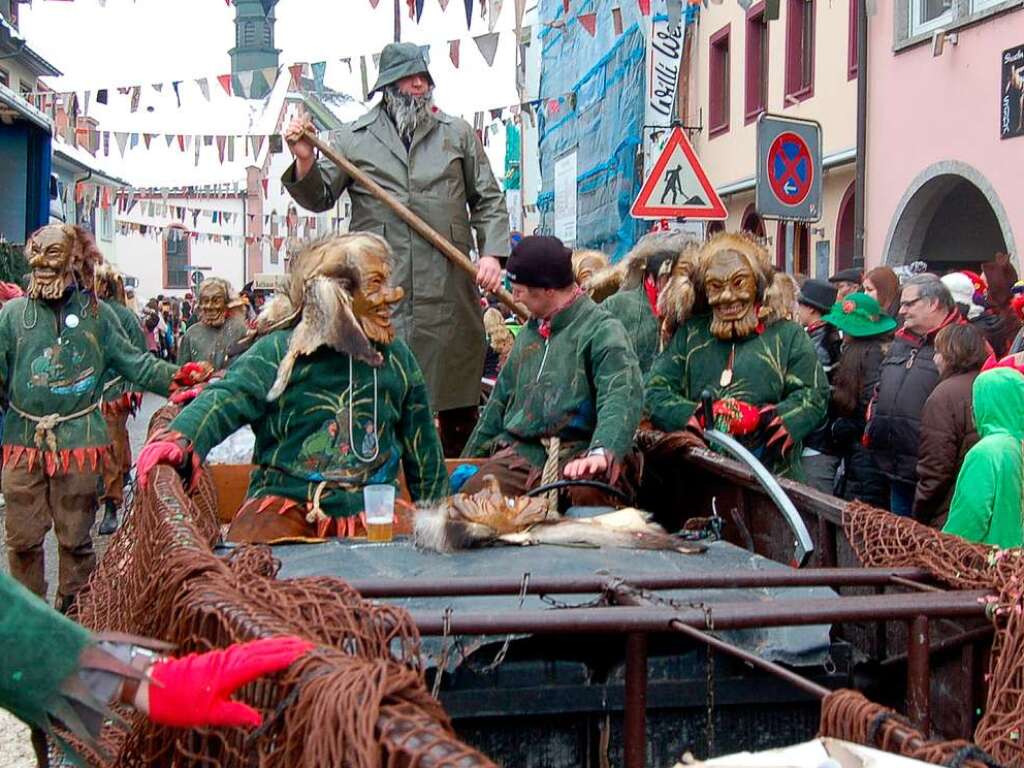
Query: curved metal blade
803	544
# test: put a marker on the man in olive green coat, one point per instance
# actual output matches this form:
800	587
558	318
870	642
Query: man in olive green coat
434	164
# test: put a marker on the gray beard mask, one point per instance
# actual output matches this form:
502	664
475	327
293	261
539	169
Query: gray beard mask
408	112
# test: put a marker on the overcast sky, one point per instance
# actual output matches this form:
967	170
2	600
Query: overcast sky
140	42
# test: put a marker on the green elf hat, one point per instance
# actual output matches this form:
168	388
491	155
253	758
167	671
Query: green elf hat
399	60
859	316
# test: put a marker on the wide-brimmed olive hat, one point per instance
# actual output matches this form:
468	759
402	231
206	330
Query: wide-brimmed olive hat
859	315
399	60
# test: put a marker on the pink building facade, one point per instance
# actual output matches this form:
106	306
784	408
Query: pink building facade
945	132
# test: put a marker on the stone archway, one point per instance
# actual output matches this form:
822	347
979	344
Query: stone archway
949	217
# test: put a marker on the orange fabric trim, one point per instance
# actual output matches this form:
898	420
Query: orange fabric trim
55	463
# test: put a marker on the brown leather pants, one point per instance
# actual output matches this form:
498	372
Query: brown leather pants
35	502
119	462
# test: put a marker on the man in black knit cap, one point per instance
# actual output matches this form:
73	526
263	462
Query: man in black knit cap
571	391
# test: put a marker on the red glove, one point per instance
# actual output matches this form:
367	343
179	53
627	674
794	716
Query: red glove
741	418
186	396
191	374
194	691
169	448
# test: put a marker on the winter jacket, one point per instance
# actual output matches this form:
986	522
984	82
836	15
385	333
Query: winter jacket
996	330
986	506
863	479
906	379
947	433
827	343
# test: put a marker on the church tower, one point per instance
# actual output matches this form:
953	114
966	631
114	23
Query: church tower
254	44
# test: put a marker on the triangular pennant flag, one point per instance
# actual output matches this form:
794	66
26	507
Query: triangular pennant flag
133	142
443	4
231	149
565	7
319	70
296	70
269	76
88	96
188	142
265	182
488	46
419	10
245	82
257	144
589	22
169	138
453	52
222	143
268	6
204	87
176	84
122	141
225	83
493	13
146	138
645	7
158	87
469	14
373	3
617	20
101	96
277	243
136	96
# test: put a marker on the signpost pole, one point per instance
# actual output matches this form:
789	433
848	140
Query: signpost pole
790	231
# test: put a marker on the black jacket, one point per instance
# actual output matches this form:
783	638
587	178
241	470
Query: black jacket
861	477
827	345
906	379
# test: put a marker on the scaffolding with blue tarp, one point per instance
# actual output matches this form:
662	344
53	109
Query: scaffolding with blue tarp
596	85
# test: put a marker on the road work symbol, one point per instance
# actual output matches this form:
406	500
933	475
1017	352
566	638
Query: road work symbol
677	186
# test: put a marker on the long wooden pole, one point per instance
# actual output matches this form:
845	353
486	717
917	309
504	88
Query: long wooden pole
453	254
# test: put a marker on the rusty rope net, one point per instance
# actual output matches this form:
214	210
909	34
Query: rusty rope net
359	699
884	540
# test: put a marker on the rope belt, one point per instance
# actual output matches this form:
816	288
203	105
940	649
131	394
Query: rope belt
45	438
549	474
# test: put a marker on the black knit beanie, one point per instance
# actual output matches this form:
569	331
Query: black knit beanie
540	261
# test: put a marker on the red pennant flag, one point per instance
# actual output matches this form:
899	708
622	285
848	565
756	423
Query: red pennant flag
617	20
181	143
225	83
589	22
296	70
373	3
277	243
453	52
147	138
264	183
645	7
565	6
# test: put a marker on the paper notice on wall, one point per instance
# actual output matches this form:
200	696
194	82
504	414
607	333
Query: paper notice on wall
565	199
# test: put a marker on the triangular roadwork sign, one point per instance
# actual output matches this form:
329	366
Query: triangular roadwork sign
677	186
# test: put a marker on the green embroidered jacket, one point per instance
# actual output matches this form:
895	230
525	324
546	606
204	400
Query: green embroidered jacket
777	367
321	430
582	384
633	310
53	358
115	385
41	649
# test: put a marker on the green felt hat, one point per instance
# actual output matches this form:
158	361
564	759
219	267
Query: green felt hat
858	315
399	60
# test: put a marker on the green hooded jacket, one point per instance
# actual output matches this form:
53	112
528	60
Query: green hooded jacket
987	502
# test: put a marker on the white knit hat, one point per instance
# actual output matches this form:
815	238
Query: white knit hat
962	288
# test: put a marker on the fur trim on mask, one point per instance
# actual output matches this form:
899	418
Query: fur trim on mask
108	281
684	294
318	304
628	273
779	299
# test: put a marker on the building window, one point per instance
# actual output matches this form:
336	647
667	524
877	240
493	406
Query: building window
249	33
107	223
756	75
753	223
718	85
177	257
928	15
851	45
5	79
984	5
799	50
268	35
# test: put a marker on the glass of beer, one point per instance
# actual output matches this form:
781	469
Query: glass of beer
380	512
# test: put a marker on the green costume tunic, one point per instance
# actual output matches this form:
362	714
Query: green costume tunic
201	342
53	357
582	384
114	385
311	436
633	310
776	367
40	650
986	506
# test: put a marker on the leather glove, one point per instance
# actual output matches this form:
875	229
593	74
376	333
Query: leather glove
740	418
168	448
195	690
776	438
